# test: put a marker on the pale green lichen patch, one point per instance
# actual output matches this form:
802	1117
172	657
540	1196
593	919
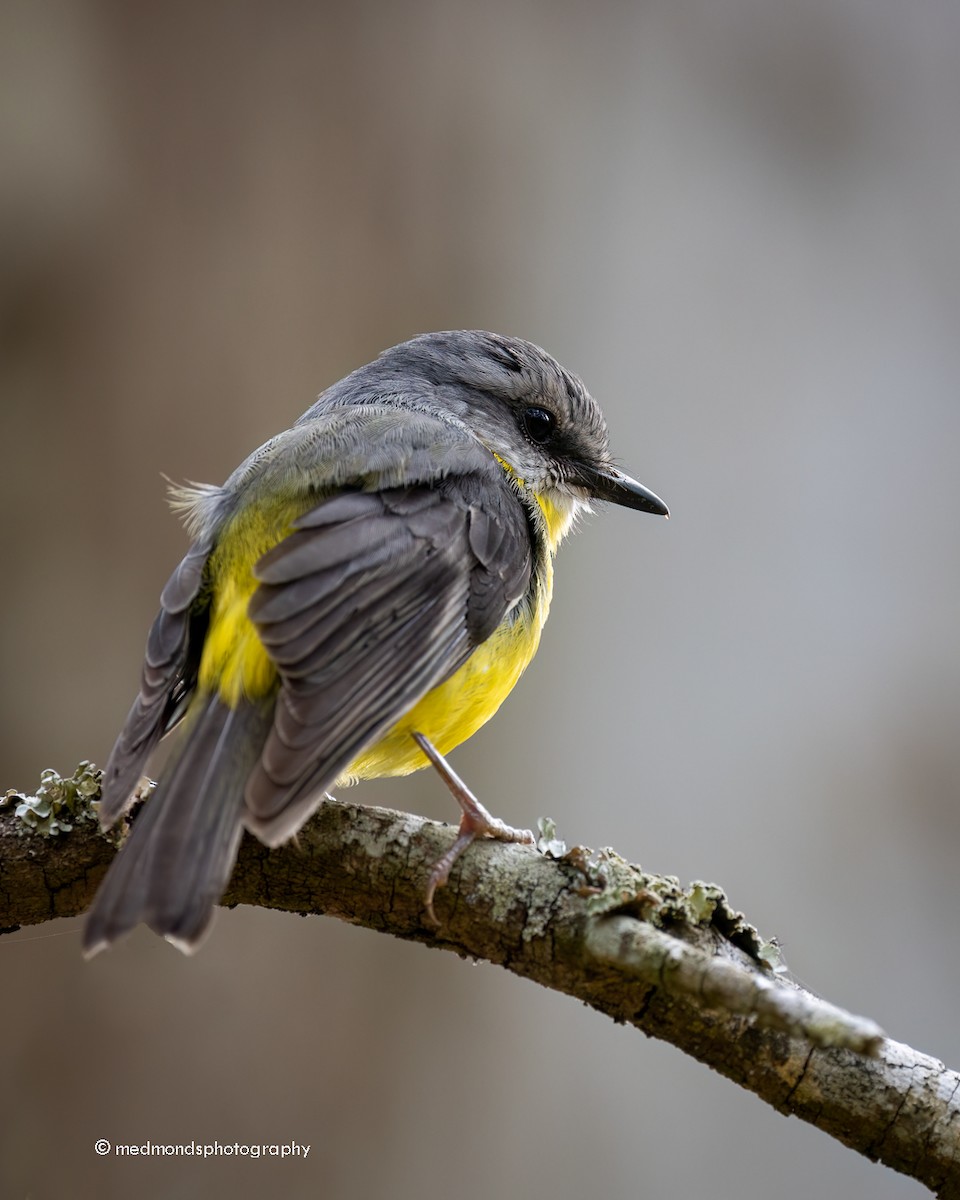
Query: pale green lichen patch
540	909
613	885
771	955
547	841
59	803
702	899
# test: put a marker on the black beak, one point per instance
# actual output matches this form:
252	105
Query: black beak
607	483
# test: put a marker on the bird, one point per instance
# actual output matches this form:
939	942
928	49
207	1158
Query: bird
359	597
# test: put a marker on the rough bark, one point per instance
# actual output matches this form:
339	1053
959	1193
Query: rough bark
678	964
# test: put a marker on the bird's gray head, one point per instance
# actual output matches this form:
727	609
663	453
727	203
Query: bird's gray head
514	398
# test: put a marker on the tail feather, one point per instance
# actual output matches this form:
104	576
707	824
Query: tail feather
177	861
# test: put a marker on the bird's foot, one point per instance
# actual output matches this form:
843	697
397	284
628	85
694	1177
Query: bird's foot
475	822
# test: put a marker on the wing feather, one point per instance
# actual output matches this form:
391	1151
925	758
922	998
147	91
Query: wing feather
371	601
169	673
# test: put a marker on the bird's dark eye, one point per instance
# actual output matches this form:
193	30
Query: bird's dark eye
538	424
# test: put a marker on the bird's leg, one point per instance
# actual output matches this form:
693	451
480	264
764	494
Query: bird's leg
475	822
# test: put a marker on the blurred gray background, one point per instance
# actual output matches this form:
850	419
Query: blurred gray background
738	222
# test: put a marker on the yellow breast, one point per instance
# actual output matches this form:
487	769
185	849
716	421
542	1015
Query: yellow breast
456	708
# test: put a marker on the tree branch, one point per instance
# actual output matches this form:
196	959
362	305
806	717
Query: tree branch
677	964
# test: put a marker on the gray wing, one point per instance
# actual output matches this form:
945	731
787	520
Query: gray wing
167	682
374	599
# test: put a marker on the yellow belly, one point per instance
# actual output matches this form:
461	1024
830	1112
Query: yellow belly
455	709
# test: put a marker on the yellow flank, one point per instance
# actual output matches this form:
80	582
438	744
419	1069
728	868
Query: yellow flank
234	661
